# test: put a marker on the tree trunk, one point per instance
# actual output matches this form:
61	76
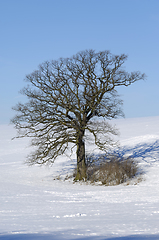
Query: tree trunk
81	164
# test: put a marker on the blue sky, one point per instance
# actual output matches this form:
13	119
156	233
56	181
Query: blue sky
33	31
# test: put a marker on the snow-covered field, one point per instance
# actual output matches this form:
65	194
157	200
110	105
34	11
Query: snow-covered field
34	206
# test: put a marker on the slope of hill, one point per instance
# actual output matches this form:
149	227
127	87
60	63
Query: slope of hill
34	206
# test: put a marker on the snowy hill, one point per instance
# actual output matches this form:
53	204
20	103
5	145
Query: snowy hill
34	206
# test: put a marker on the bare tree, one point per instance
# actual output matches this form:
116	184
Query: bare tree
64	98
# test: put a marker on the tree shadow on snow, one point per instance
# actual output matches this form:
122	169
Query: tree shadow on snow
63	237
143	151
147	153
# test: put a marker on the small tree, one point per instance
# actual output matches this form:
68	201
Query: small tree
64	98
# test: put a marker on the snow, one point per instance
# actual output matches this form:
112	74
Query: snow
35	206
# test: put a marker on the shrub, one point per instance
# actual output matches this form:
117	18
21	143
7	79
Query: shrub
110	171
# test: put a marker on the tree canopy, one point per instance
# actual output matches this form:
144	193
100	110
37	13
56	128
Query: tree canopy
64	97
